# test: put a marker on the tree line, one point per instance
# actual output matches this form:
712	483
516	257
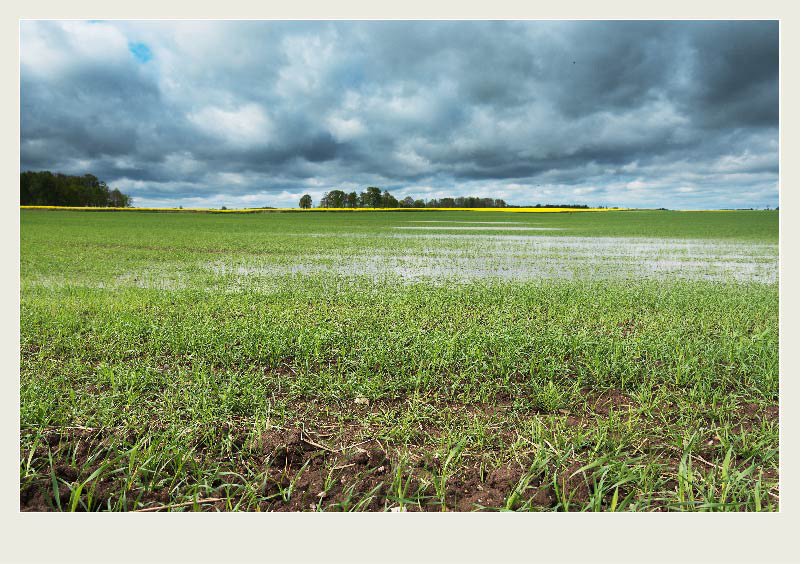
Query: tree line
373	197
48	189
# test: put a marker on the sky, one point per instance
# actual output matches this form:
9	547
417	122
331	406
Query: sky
682	115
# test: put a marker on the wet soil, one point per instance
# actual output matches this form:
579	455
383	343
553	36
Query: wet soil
303	471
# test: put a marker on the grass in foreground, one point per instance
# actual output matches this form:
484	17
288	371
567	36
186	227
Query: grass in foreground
331	392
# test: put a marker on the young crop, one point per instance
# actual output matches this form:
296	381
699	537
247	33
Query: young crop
623	361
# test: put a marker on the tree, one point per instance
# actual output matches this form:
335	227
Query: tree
336	199
372	197
305	202
407	202
117	199
47	189
333	199
388	200
352	200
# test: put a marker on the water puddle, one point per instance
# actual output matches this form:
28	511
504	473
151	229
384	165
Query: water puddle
472	222
481	228
468	257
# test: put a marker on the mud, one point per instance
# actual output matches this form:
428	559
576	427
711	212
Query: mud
574	484
754	414
611	400
754	411
74	453
330	464
304	471
469	493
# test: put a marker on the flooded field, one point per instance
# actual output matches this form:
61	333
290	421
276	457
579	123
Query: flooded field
466	257
443	361
483	228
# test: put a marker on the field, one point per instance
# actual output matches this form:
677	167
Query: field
404	361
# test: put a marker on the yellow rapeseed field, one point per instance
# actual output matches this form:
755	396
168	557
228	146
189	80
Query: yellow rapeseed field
262	210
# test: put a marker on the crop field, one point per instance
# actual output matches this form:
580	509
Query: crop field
403	361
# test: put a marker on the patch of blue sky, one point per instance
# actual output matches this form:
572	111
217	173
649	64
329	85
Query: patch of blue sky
140	51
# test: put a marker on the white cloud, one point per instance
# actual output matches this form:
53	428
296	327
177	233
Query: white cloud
308	58
245	126
81	43
345	129
636	185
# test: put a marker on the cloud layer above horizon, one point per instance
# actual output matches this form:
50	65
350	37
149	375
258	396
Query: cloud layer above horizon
247	114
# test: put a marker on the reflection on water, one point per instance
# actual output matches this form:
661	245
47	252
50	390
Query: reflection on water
465	257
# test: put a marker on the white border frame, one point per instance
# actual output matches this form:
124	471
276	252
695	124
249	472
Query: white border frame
406	537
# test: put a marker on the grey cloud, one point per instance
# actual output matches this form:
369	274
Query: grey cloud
552	111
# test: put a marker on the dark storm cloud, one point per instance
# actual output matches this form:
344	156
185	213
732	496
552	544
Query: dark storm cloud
682	114
736	70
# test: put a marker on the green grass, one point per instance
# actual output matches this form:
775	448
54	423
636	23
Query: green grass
256	360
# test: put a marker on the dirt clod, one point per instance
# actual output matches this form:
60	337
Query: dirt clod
611	400
573	483
377	457
66	472
360	457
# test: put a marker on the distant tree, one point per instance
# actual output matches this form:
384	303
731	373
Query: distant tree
47	189
305	202
388	200
336	199
372	197
223	208
462	202
117	199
